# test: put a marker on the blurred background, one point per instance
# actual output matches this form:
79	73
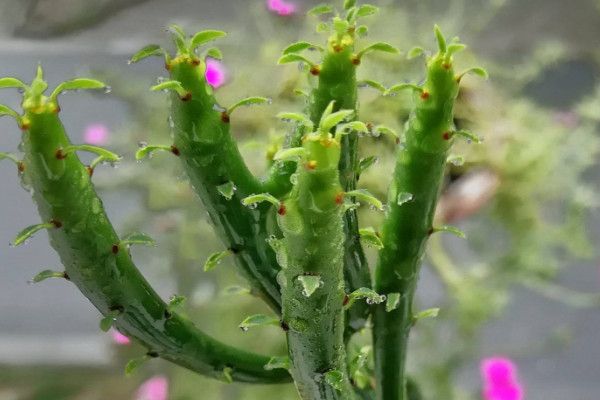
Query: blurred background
524	285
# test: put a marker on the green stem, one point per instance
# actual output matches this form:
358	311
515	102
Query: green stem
419	171
104	272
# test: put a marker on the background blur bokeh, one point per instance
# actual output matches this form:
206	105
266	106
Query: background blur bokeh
525	284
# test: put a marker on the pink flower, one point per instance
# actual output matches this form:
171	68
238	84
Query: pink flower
281	7
119	338
155	388
96	134
215	73
500	379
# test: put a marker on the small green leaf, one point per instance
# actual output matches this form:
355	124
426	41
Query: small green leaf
137	238
357	126
150	50
234	289
468	135
46	274
335	379
300	92
107	155
441	40
248	102
360	359
226	190
29	231
258	320
294	152
365	10
322	27
11	157
332	120
179	38
430	313
76	84
215	259
379	46
203	37
293	57
451	229
456	160
382	129
454	48
107	322
170	85
365	163
258	198
278	362
177	30
362	30
215	53
415	52
310	283
364	194
12	83
226	375
340	25
320	9
404	197
300	46
176	302
370	238
4	110
392	301
371	83
147	151
349	3
371	296
475	70
351	15
303	119
396	88
134	364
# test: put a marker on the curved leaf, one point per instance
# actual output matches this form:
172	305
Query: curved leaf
365	195
137	238
46	275
300	46
258	320
293	57
150	50
12	83
215	259
203	37
29	231
248	102
320	10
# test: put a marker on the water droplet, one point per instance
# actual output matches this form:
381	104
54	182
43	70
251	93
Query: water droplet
170	121
481	139
107	89
300	66
294	179
269	101
404	197
252	206
362	84
142	144
376	160
160	80
469	140
244	328
217	107
129	62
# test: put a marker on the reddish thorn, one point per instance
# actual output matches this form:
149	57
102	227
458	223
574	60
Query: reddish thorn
24	127
378	235
337	48
339	198
168	66
446	135
397	140
187	96
446	65
115	248
195	62
21	166
369	125
57	109
66	276
430	231
424	95
315	70
60	155
312	164
56	223
458	78
351	29
175	150
225	117
284	326
352	383
90	170
346	299
281	210
355	60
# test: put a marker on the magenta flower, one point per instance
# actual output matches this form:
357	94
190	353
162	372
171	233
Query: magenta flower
215	73
155	388
281	7
500	379
119	338
96	134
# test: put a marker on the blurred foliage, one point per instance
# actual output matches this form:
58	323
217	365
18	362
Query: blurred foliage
527	224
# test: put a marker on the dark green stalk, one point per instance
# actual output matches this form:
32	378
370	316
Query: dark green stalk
419	170
98	262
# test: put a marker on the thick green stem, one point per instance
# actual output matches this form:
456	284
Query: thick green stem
419	171
211	158
102	269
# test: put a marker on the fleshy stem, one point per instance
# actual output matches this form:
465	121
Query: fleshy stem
419	169
99	264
